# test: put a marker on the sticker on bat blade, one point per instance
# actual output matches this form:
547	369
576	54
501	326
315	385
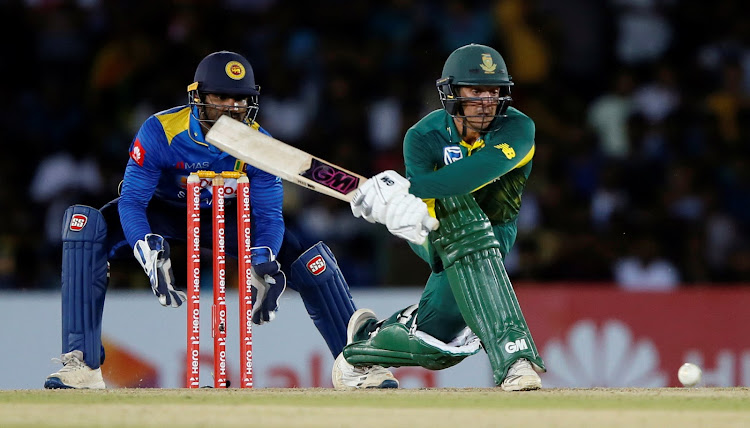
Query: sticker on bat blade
331	177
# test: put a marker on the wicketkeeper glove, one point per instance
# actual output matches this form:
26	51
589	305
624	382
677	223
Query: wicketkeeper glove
268	282
152	252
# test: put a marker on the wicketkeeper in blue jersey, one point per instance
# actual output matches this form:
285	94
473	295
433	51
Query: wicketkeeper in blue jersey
150	213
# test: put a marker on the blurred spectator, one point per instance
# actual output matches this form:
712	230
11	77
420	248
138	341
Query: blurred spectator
609	198
62	178
608	116
727	102
644	31
643	268
582	31
526	49
460	22
659	96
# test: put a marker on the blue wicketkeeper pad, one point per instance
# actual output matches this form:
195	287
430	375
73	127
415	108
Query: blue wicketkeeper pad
84	282
318	279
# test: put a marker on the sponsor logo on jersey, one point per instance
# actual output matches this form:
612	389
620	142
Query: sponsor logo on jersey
507	150
137	153
193	166
452	154
317	265
235	70
77	222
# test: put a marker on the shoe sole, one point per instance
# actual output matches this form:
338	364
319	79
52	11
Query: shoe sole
387	384
523	386
55	383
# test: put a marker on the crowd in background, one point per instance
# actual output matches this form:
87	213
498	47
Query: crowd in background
641	176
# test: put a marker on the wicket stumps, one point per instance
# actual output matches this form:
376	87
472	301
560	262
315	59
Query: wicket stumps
219	306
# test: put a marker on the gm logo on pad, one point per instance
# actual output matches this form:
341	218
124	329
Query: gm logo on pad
77	222
317	265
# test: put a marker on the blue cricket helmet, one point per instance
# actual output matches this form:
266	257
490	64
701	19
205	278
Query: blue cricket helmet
225	72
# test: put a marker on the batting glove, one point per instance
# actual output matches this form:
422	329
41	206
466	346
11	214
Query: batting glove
152	252
370	199
407	217
268	282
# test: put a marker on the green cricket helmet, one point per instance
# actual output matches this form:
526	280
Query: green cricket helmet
225	73
474	65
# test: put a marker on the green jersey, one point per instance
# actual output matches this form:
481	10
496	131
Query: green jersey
494	168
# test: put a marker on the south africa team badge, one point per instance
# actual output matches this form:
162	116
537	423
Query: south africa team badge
452	154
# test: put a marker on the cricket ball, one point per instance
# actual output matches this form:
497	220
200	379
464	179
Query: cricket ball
689	374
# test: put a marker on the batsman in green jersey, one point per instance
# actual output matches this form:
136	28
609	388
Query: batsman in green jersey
469	162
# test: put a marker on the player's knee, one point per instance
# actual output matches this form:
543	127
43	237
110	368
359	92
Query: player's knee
314	266
82	223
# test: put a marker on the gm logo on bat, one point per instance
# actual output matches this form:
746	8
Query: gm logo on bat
331	177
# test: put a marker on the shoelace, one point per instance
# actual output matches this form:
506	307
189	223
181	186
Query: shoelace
518	366
365	370
376	369
68	363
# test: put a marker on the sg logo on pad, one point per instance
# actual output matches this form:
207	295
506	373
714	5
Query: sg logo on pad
77	222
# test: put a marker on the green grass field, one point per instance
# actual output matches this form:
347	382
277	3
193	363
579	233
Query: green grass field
458	408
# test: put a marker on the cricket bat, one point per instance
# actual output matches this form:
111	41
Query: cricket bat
282	160
290	163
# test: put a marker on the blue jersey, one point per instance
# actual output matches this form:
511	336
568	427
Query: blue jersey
168	147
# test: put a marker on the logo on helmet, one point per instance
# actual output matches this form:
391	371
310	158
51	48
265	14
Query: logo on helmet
487	64
235	70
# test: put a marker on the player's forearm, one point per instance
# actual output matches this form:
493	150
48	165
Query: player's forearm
268	234
266	198
459	178
137	189
133	219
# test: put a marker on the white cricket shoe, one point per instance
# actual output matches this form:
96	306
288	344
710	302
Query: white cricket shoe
74	374
346	376
521	377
